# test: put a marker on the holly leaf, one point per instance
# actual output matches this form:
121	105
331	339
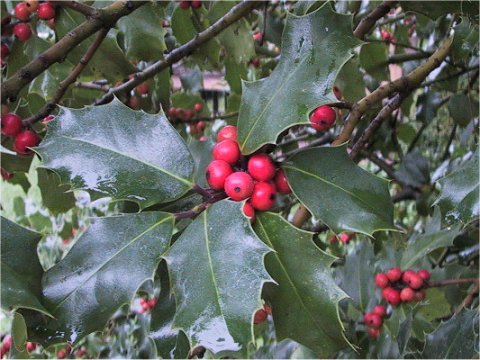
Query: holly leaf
20	268
55	195
434	11
314	49
18	349
103	271
461	331
217	273
114	151
340	193
413	169
202	155
460	191
462	109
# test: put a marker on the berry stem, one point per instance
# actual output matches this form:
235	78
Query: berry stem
452	282
199	190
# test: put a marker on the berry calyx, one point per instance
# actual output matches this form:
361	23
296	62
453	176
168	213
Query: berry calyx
394	274
227	132
380	310
25	140
198	107
373	332
46	11
323	118
263	196
217	172
32	5
281	182
22	12
391	295
226	150
196	4
249	211
407	294
261	167
184	5
22	32
239	186
381	280
11	124
424	274
372	320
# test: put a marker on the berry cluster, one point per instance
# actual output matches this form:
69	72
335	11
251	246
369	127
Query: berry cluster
374	320
258	181
147	304
188	115
63	353
323	118
23	10
24	139
262	314
185	5
402	286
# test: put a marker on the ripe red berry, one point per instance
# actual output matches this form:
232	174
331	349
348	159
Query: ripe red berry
201	125
323	118
249	211
381	280
184	5
424	274
31	346
380	310
407	294
239	186
260	316
152	302
257	36
172	113
25	140
217	172
196	4
374	333
255	62
420	295
261	167
5	51
386	36
372	320
32	5
198	107
281	182
61	354
143	88
11	124
344	237
7	342
391	295
22	32
189	114
227	132
394	274
414	281
226	150
46	11
80	352
21	12
263	196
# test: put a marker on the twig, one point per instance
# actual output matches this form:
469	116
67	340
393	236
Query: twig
265	51
57	52
320	141
468	299
210	198
91	86
396	43
85	9
452	282
234	14
211	118
70	79
451	76
400	58
368	22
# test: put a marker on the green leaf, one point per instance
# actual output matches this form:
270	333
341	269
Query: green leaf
314	49
435	10
413	170
56	196
143	35
217	271
4	150
305	301
462	109
456	338
202	155
350	80
234	74
374	58
420	245
344	196
460	191
114	151
18	349
465	42
20	268
103	271
437	307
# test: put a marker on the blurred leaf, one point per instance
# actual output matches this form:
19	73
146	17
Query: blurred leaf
202	155
161	88
413	170
350	80
192	80
462	109
437	307
18	349
427	106
188	101
374	59
465	42
56	197
435	10
234	74
406	133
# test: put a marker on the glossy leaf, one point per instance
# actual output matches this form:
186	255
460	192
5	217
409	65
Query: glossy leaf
217	273
103	270
304	303
56	197
20	268
202	155
314	49
114	151
460	191
338	192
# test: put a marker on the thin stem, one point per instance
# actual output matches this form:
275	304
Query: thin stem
452	282
211	118
368	22
85	9
91	86
468	299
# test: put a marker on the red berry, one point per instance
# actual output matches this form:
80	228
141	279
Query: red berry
22	32
198	107
201	125
420	295
261	167
31	346
5	51
61	354
380	310
32	5
386	36
263	196
374	333
193	130
184	5
11	124
24	141
257	36
46	11
217	172
227	132
152	302
22	12
281	182
372	320
255	62
323	118
394	274
202	138
80	352
143	88
196	4
391	295
414	281
239	186
381	280
172	113
260	316
249	211
344	237
424	274
407	294
189	114
226	150
7	342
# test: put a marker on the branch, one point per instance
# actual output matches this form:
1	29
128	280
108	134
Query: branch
91	86
235	13
211	118
56	53
468	299
85	9
452	282
400	58
70	79
368	22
